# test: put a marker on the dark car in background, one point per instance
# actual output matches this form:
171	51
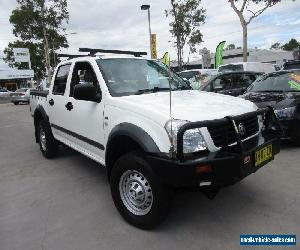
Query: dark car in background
292	64
231	83
280	90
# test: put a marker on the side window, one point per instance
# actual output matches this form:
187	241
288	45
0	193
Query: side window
83	73
61	79
248	79
222	82
239	80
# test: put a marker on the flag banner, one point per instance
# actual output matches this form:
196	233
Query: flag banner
166	59
219	54
153	47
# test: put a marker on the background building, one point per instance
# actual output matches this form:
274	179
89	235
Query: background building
236	55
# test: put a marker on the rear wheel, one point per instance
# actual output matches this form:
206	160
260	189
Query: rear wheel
48	144
16	103
136	192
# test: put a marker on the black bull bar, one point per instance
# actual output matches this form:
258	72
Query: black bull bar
271	128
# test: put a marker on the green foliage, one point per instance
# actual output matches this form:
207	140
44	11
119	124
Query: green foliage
276	45
230	47
291	45
38	23
187	16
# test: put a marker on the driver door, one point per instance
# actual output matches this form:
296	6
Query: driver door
85	118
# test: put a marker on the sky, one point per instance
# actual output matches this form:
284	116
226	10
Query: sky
121	24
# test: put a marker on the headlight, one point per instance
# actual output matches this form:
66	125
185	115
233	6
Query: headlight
193	140
286	113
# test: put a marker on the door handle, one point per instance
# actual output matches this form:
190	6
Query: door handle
69	106
51	102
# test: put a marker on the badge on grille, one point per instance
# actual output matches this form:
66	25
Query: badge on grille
242	128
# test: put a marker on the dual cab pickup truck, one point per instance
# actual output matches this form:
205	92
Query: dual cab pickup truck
151	132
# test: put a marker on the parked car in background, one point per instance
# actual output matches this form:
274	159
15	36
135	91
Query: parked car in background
20	96
292	64
280	90
248	66
4	93
231	83
198	77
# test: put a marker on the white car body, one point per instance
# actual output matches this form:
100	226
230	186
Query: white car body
151	115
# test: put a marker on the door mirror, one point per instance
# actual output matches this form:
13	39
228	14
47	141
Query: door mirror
87	92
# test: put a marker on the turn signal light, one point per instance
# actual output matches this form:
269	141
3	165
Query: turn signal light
203	169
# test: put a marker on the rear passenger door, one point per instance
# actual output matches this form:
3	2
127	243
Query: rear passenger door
56	101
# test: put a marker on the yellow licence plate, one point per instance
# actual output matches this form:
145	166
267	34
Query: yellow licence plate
262	155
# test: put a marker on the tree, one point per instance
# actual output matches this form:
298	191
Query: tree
41	22
291	45
187	16
276	45
230	47
240	11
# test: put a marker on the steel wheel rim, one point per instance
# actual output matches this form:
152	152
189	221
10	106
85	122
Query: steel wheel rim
135	192
43	139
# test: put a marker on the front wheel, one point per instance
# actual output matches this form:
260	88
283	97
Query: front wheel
137	194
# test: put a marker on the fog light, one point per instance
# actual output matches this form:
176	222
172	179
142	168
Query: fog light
203	169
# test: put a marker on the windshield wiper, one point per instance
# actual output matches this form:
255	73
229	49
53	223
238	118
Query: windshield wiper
154	90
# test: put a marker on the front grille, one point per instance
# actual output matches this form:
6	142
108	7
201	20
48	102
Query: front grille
225	132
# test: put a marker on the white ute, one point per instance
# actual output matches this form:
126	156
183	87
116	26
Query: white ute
152	133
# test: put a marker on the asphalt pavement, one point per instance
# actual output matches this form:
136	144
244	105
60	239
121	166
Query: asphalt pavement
65	203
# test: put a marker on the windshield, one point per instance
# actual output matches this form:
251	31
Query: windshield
231	67
277	82
126	76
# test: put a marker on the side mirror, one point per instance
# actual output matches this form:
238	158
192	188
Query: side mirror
87	92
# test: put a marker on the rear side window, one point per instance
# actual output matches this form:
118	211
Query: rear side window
61	79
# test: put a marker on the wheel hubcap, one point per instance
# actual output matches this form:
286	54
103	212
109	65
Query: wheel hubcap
43	139
135	192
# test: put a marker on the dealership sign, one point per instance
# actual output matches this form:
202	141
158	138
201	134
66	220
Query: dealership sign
21	55
7	74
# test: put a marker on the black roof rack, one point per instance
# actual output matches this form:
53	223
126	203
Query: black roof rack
120	52
70	56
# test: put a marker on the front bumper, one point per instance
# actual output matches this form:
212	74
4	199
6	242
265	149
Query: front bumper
225	167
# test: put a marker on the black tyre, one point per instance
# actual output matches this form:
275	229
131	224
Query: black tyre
137	194
48	144
16	103
296	139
